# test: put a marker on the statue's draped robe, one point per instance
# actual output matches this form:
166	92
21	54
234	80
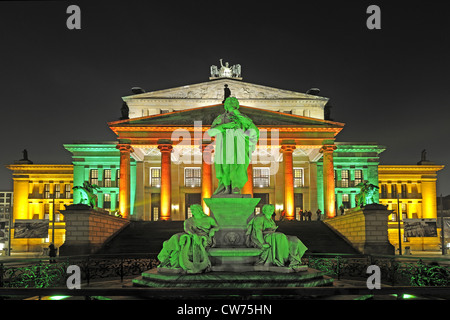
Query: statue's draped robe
187	250
233	148
282	249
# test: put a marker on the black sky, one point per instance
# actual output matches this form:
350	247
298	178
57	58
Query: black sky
389	86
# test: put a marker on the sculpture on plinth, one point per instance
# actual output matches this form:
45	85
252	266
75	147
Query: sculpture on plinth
88	196
185	252
236	137
366	194
225	71
277	249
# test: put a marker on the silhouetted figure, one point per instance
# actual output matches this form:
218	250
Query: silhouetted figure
226	93
24	159
25	155
424	155
319	214
125	111
52	252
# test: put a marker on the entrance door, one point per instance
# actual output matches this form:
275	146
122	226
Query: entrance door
298	204
191	198
155	206
264	200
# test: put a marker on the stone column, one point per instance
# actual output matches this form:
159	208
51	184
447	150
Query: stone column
139	206
248	187
207	186
328	180
288	180
124	185
165	146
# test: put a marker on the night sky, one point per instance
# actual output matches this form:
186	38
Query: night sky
389	86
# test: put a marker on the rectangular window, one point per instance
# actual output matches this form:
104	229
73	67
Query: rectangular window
155	177
106	201
93	176
346	200
193	177
261	177
393	191
107	178
298	177
404	191
67	193
344	178
404	210
57	191
358	176
155	213
46	211
47	191
383	191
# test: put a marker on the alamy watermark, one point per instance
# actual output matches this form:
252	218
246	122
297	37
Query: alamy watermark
374	20
236	146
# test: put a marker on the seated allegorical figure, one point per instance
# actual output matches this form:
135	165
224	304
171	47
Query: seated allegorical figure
187	250
277	248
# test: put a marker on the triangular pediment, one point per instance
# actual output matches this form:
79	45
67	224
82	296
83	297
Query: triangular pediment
206	115
214	90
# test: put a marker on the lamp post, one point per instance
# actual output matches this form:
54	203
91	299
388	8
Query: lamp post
442	229
10	226
399	228
53	223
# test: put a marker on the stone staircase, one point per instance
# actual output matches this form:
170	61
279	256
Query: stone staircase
148	237
317	236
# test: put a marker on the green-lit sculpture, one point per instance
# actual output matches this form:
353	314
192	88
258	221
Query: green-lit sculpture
277	248
366	195
87	194
236	136
186	252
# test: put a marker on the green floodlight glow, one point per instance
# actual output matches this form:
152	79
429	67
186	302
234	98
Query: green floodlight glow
408	296
58	297
405	296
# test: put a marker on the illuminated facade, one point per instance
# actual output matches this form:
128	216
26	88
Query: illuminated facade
159	165
409	191
40	192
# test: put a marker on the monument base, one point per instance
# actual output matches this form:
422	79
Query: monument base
262	279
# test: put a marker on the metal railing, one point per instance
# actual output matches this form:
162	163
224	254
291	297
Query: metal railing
395	270
42	273
41	277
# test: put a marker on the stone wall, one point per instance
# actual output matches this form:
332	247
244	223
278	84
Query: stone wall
366	229
88	229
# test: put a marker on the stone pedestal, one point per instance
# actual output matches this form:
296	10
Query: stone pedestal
309	278
365	228
87	229
232	213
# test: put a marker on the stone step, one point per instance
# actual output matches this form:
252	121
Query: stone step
148	237
307	278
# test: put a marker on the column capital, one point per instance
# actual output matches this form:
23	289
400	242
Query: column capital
288	147
124	147
327	148
165	147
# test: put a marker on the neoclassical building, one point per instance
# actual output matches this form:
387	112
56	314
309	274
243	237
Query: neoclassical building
162	160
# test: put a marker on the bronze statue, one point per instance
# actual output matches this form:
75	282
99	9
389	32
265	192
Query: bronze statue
366	195
186	251
277	248
236	138
88	191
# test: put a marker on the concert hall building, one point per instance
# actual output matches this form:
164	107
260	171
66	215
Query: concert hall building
160	163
